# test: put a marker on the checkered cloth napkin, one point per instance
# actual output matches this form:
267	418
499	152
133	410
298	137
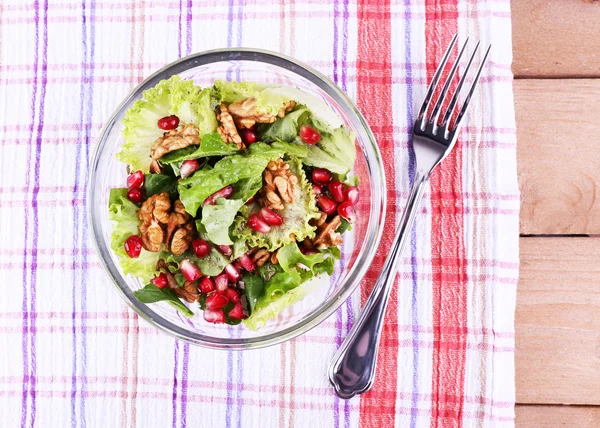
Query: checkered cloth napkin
72	353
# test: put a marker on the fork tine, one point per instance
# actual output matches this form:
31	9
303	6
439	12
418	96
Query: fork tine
454	99
434	82
438	105
465	106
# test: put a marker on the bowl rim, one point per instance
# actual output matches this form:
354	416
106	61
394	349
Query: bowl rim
356	275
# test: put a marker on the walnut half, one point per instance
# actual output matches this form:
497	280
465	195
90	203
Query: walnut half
279	185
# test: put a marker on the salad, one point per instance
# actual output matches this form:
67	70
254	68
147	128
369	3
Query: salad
237	196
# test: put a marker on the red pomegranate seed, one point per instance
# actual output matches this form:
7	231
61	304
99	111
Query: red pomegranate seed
135	195
321	176
326	204
216	300
225	250
188	167
345	210
337	190
233	295
236	312
201	248
248	136
225	192
160	280
352	195
135	179
258	224
238	265
246	262
270	217
206	285
232	273
249	201
168	122
309	135
190	271
133	246
221	281
215	316
318	189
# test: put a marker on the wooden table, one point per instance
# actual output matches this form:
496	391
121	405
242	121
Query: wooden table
557	100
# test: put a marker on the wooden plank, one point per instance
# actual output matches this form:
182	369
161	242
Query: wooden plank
557	321
558	131
557	416
556	38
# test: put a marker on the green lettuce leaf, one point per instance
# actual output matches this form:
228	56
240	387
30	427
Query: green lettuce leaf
123	213
296	217
152	294
172	96
335	152
159	183
218	218
210	145
269	98
286	128
253	289
229	170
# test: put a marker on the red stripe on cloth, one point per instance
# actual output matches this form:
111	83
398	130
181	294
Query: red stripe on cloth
447	249
374	90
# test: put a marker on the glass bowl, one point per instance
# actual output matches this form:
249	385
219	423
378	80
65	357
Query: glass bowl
360	244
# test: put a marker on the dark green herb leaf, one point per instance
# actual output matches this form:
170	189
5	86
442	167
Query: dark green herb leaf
158	183
253	288
152	294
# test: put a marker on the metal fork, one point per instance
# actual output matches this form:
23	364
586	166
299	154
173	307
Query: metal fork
352	369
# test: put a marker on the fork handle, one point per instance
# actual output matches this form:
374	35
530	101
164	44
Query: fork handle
352	369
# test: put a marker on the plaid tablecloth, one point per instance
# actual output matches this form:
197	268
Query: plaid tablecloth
72	354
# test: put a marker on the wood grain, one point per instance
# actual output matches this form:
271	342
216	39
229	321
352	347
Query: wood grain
556	38
558	134
557	321
557	416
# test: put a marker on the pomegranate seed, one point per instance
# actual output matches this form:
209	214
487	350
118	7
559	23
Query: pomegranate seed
225	250
326	204
225	192
238	265
309	135
321	176
258	224
318	189
337	190
352	195
345	210
190	271
250	200
135	179
168	122
201	248
270	217
233	295
248	136
246	262
188	167
232	273
221	281
236	312
133	246
206	285
216	300
160	280
215	316
135	195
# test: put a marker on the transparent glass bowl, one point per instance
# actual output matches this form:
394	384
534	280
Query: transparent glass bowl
360	244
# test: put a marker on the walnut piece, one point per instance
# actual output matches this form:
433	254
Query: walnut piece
327	235
175	139
279	185
161	226
227	130
260	256
189	292
245	113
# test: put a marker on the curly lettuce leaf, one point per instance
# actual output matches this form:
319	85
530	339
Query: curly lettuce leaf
335	152
229	170
269	98
210	145
296	217
172	96
218	218
152	294
123	213
286	128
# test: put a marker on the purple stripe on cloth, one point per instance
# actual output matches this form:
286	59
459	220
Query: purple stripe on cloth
25	304
184	384
188	35
175	383
179	29
36	190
